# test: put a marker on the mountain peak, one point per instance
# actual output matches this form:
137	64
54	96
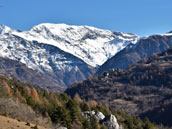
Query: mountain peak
49	25
4	29
55	28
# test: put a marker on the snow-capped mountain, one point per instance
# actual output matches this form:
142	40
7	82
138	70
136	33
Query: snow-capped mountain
67	53
45	58
94	46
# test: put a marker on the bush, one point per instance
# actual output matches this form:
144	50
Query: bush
5	114
28	124
35	127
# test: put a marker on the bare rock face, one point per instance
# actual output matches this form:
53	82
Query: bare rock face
99	116
111	122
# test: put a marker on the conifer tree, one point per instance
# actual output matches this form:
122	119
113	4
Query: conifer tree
74	110
84	106
94	123
86	124
35	95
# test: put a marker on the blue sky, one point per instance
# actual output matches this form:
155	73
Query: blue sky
143	17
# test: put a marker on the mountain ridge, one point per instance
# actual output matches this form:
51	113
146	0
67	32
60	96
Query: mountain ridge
80	41
67	53
146	47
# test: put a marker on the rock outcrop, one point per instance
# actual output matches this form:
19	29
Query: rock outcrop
99	116
109	121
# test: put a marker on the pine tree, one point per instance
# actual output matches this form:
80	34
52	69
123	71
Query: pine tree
77	98
74	110
86	124
84	106
94	123
147	124
35	95
60	115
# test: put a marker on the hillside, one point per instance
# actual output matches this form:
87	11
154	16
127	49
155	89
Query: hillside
8	123
144	48
160	114
141	87
52	110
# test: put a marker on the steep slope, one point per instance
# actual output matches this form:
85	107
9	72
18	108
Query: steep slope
141	87
68	54
24	74
145	47
161	114
45	59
